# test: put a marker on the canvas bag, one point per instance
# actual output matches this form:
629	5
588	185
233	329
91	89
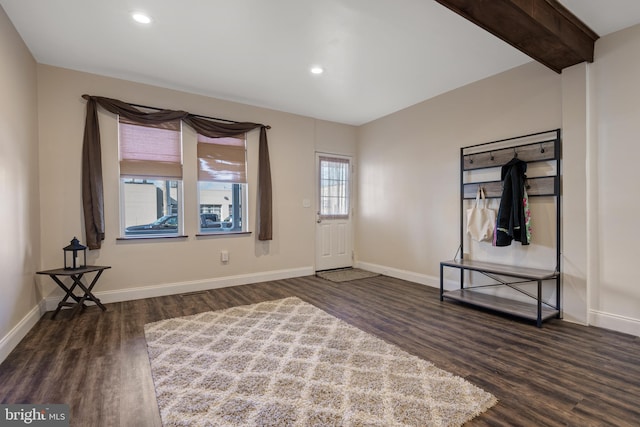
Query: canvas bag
480	219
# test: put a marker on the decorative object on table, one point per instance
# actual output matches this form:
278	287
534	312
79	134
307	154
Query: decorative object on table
481	219
286	362
74	249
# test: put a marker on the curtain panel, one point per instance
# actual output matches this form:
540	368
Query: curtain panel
92	190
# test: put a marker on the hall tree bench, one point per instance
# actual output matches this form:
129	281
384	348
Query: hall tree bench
486	159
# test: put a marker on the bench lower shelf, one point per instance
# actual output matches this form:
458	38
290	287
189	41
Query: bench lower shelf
504	305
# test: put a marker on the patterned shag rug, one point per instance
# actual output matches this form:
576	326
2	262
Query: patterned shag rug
288	363
345	274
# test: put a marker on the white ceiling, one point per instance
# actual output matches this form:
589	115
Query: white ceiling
380	56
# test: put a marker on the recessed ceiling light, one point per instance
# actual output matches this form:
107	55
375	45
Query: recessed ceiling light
317	70
141	18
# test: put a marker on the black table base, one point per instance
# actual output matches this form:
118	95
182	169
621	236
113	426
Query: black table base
76	275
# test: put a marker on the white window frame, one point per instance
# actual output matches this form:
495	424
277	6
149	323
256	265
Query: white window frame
221	229
179	198
244	228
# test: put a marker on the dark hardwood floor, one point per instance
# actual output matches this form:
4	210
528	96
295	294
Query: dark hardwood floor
562	374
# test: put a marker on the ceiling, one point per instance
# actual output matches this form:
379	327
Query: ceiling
379	56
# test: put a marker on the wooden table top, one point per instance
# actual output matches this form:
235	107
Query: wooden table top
71	272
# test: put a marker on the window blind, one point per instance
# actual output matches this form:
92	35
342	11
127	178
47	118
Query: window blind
150	150
222	159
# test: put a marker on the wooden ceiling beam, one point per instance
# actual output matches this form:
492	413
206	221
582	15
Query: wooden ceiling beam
543	29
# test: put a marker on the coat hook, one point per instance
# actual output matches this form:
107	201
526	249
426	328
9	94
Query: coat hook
491	156
470	160
541	148
515	153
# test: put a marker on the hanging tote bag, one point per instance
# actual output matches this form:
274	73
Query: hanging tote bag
480	219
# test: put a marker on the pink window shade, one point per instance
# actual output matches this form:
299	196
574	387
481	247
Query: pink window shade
150	150
222	159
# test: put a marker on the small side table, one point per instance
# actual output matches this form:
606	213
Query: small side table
76	275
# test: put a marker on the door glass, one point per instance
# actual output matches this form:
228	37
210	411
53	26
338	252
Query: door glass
334	188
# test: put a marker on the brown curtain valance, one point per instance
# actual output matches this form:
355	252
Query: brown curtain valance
92	190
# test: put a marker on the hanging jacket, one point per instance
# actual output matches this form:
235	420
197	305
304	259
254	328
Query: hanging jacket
511	222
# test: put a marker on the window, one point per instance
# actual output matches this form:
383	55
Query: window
222	183
334	188
150	179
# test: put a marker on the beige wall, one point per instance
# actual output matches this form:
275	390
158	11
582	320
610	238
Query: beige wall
19	211
174	265
409	175
408	194
615	119
574	196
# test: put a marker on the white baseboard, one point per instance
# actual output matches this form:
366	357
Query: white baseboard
15	335
192	286
615	322
409	276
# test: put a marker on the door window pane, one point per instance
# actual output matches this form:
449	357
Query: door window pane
334	188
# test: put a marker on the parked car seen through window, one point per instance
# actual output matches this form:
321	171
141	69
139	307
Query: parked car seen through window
168	224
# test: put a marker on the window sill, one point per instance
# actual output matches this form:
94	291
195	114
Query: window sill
152	237
222	234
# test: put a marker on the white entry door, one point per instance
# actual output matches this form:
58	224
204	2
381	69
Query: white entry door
334	239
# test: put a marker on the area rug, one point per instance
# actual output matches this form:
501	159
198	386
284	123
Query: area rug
288	363
345	274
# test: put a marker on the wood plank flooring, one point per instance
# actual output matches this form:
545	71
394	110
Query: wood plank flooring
560	375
